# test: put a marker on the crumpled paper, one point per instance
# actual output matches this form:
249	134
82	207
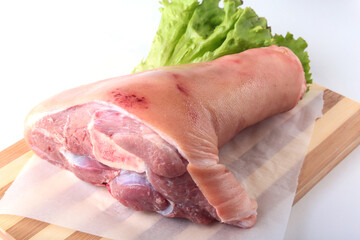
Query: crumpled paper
266	158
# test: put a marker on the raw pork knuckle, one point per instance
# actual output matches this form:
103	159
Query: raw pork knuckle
152	138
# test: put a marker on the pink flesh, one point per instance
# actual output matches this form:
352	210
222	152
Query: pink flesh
134	190
104	135
120	142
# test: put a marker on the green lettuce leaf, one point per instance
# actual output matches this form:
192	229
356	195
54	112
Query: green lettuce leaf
191	32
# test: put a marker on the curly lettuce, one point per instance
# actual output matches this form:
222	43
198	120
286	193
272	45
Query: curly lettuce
191	32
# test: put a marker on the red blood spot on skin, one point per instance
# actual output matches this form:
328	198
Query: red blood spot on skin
177	79
176	76
235	60
182	89
128	100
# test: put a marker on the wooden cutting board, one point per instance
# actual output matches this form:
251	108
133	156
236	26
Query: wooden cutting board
335	135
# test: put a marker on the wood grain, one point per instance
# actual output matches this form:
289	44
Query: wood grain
80	235
53	232
7	221
335	135
13	152
322	159
26	228
5	236
9	172
330	100
4	188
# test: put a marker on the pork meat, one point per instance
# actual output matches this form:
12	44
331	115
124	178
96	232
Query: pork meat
152	138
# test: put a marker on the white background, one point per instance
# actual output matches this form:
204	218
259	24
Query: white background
49	46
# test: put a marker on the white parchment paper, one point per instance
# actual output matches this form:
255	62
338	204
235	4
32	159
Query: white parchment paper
266	158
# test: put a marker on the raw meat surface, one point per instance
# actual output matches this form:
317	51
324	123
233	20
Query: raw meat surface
152	138
133	190
158	181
